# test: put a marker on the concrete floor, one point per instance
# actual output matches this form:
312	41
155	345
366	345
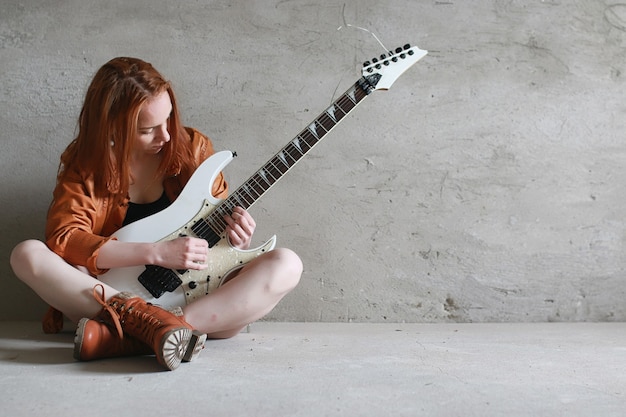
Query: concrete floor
320	369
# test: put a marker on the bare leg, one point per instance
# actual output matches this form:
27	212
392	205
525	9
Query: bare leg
58	283
252	294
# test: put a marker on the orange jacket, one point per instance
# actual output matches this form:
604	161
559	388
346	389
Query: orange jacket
79	221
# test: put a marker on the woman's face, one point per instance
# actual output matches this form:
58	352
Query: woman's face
152	133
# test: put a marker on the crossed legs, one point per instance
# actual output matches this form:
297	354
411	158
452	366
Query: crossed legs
250	295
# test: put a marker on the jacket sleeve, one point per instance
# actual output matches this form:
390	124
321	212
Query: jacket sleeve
75	221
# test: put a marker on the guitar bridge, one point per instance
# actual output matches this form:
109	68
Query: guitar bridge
158	280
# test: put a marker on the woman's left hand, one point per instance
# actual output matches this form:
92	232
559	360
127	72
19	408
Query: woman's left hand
240	228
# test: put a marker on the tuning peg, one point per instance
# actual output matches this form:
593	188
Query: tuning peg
407	49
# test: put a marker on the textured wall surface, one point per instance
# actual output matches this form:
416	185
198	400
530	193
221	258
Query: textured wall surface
488	184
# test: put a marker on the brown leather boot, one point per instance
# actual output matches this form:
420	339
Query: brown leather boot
170	337
96	340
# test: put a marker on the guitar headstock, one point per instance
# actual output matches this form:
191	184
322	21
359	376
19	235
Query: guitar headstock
384	70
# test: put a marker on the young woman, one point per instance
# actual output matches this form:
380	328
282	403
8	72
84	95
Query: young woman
131	158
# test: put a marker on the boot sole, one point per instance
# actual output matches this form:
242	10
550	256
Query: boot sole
196	344
78	338
173	347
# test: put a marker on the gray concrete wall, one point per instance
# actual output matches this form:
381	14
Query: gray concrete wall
487	185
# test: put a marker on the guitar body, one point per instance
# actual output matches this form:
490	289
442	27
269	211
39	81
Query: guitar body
195	202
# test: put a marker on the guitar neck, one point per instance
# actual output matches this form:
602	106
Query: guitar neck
274	169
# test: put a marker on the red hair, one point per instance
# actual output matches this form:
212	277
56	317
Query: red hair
107	126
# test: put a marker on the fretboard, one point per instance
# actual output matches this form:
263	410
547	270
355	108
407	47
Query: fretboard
269	174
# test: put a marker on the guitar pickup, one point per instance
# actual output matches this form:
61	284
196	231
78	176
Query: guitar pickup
158	280
202	229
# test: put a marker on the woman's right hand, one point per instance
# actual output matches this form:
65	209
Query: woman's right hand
182	253
179	253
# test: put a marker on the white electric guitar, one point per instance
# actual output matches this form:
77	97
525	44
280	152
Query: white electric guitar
197	213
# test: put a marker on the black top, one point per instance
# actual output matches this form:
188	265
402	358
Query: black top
139	211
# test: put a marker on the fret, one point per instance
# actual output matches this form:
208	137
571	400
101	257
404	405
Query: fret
242	203
351	95
218	214
348	103
331	113
303	142
274	169
252	193
313	129
296	144
342	111
281	156
309	139
252	190
326	123
254	185
245	197
322	125
289	152
264	177
258	186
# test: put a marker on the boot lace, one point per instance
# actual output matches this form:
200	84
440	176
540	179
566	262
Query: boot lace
145	324
101	299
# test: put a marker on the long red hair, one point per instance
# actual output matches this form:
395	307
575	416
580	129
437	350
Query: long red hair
107	125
